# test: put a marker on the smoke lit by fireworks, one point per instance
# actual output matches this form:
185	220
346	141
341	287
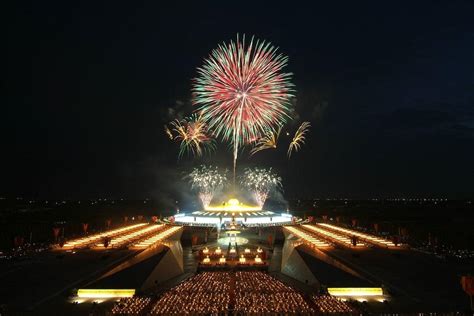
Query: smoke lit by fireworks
192	134
242	93
269	141
299	138
207	180
260	182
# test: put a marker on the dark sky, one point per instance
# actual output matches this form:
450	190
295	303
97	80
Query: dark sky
388	88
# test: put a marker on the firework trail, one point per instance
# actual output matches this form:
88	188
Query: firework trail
192	134
299	138
269	141
168	133
242	92
207	180
260	181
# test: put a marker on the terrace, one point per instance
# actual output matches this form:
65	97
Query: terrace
307	238
96	238
338	238
378	241
131	237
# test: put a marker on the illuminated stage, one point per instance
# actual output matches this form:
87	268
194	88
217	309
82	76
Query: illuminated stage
234	212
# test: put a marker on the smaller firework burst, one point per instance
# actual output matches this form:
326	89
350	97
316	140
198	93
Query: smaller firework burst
269	141
299	138
260	181
192	134
207	180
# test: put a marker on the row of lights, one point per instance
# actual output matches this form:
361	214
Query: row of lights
64	201
242	259
157	237
374	239
85	241
123	239
386	199
315	242
334	236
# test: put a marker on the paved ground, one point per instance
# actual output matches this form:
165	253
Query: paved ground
415	279
29	284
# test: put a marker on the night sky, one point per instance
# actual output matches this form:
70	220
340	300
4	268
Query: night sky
388	88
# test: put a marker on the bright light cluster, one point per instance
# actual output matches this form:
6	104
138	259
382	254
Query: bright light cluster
93	239
127	238
105	293
207	180
260	181
376	240
307	238
249	218
233	205
355	291
158	237
333	236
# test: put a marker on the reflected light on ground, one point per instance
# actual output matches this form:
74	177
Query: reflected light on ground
227	240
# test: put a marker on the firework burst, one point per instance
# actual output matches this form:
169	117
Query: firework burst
207	180
192	134
269	141
260	181
299	138
242	92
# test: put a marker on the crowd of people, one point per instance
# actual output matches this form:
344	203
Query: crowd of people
206	293
131	306
331	304
232	293
258	282
259	293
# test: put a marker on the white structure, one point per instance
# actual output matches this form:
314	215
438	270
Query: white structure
233	212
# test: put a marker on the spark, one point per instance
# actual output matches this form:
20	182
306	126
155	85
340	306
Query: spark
207	180
261	182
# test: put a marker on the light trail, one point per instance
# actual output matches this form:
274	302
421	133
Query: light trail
92	239
371	238
339	238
